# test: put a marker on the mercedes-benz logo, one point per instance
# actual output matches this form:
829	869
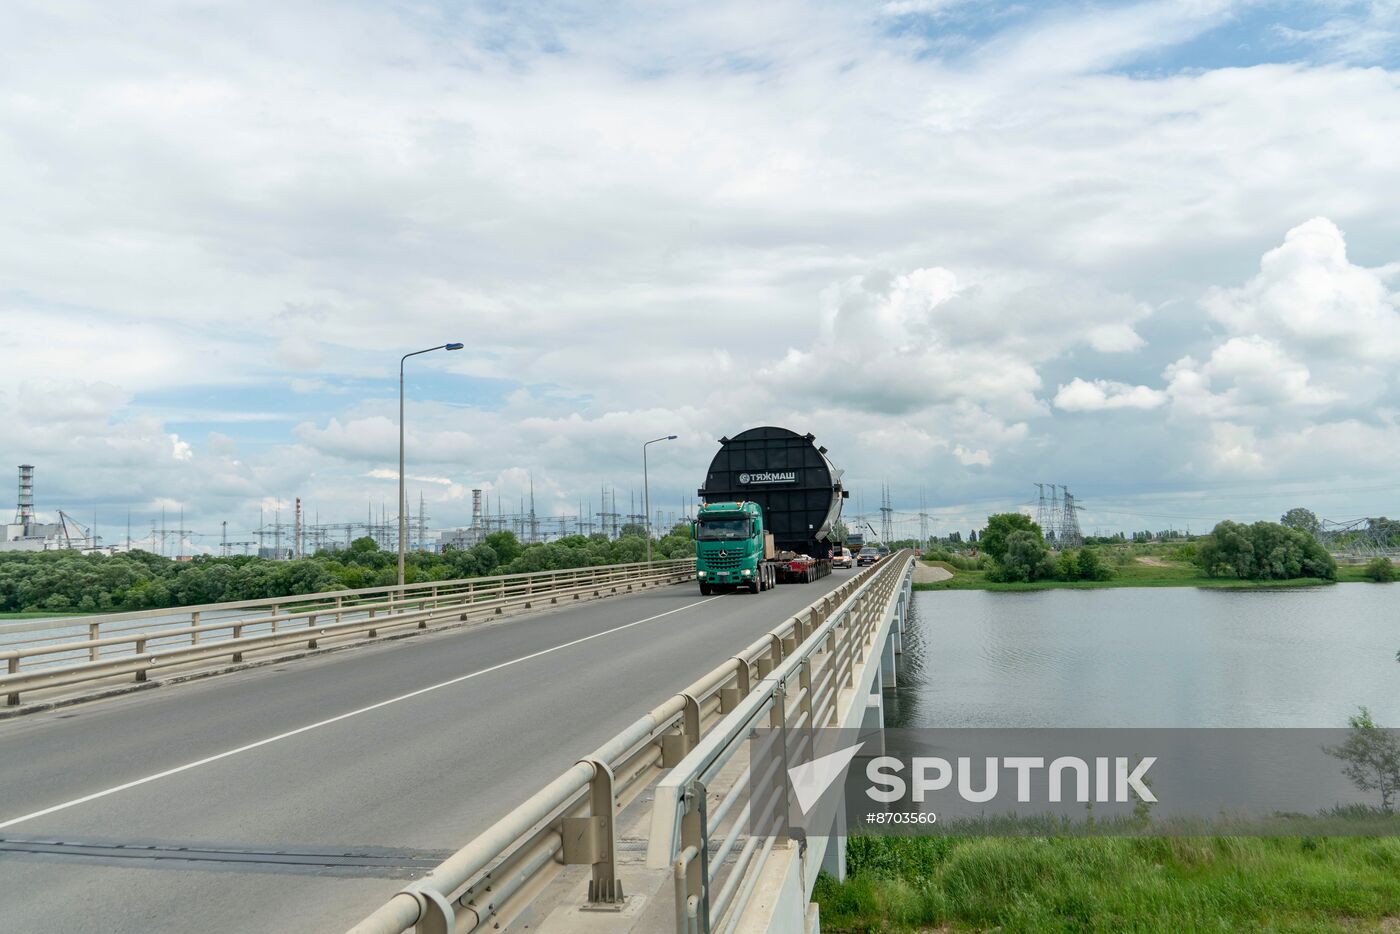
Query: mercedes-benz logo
743	478
723	553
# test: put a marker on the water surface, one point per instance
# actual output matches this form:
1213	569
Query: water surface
1159	657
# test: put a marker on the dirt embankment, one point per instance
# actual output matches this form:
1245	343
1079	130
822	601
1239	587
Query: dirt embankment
926	574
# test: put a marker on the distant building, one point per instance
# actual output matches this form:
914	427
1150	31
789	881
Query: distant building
27	534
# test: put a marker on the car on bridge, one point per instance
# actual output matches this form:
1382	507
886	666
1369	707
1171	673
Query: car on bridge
868	556
842	558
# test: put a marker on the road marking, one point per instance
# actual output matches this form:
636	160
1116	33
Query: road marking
339	717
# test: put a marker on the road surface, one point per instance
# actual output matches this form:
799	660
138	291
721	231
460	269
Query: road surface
300	796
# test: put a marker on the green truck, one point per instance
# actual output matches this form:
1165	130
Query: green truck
733	549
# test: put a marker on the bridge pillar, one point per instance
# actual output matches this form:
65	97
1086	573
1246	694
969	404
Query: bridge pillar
834	856
887	662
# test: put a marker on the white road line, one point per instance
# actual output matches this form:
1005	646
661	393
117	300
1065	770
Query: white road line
336	719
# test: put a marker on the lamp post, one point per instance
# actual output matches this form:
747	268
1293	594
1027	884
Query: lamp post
403	496
646	489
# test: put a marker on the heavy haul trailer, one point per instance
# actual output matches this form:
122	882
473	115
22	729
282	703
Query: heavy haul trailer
797	491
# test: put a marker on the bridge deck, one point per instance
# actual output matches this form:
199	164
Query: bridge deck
365	765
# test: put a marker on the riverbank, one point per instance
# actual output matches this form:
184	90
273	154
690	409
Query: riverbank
1159	884
1133	574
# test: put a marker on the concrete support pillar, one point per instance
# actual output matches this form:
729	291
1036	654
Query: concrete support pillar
872	723
887	663
834	859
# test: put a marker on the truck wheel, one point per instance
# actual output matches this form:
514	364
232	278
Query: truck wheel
755	586
706	590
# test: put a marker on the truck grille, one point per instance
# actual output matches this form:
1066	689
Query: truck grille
727	563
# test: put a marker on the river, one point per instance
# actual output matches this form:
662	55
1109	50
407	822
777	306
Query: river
1150	657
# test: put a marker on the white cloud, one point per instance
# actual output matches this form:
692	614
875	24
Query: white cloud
1083	396
661	219
968	458
1309	295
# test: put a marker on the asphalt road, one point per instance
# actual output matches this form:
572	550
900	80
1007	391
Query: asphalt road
299	797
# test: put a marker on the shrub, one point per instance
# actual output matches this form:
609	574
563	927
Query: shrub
1025	558
1379	570
1001	527
1263	551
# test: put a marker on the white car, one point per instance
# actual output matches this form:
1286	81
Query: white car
842	558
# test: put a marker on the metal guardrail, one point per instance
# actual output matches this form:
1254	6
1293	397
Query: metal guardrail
571	820
799	696
189	636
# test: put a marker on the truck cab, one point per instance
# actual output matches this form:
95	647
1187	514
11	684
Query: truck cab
732	548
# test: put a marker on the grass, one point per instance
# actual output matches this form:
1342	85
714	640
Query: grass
49	614
1157	884
1132	574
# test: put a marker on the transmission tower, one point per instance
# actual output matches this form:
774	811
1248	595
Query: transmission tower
1042	513
1069	535
886	514
923	519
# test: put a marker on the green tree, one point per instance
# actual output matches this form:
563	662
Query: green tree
1379	570
1372	757
1025	557
1303	520
505	544
1227	551
1263	551
1092	567
1000	527
1067	566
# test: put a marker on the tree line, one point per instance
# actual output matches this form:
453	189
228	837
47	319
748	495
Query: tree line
66	581
1016	551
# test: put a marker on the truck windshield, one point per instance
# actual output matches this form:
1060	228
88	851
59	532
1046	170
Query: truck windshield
717	530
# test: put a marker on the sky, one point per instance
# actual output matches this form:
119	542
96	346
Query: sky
1145	250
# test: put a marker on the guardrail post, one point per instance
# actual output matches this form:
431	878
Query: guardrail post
695	833
804	679
13	699
238	634
593	839
194	631
770	659
140	650
777	720
729	697
339	609
674	746
435	914
94	633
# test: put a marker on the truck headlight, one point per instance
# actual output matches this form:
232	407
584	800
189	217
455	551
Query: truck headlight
747	572
699	573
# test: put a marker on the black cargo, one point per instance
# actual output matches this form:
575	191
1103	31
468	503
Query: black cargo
791	480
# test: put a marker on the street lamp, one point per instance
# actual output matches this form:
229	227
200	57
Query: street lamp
403	496
646	490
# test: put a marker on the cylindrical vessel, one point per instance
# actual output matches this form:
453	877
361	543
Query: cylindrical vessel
789	477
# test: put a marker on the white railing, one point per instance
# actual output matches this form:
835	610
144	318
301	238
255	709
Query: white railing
571	820
135	643
713	883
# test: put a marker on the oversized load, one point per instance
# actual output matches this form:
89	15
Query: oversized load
790	478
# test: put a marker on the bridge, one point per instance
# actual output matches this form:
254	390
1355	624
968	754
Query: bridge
564	751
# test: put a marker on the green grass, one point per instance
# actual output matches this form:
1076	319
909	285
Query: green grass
1159	884
1132	574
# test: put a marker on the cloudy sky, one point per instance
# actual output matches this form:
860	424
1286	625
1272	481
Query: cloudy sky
1148	250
